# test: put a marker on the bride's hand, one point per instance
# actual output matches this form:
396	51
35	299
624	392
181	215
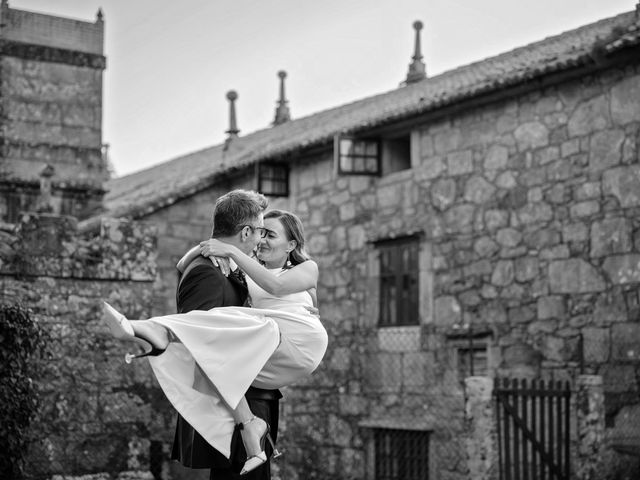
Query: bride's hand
222	263
215	248
313	311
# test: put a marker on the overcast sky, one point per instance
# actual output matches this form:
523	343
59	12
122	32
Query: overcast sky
171	62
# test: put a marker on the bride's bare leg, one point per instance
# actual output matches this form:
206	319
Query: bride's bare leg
155	334
253	428
123	328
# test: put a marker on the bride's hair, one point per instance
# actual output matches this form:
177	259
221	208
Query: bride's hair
294	231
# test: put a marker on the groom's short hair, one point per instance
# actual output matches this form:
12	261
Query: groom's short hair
236	209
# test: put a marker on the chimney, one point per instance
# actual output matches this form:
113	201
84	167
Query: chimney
417	68
282	110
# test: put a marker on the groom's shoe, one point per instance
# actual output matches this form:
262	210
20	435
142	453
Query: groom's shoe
121	328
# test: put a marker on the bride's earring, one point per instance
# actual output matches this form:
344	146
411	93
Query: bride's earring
293	244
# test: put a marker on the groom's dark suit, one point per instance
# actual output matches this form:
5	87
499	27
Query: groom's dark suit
202	287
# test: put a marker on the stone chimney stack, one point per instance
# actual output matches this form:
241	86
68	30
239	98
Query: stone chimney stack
417	68
282	110
233	131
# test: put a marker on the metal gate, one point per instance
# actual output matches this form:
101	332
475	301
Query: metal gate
533	429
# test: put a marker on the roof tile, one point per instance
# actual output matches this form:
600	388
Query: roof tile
145	191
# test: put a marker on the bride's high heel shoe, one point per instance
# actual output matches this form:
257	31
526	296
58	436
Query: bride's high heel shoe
254	461
122	329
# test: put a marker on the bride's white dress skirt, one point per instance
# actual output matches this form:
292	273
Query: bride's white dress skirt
223	351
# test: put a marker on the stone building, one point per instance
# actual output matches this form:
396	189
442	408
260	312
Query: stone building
485	218
482	221
52	166
51	125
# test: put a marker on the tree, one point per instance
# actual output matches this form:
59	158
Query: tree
22	341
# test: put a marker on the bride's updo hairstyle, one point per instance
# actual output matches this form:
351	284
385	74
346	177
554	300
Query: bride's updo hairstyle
294	231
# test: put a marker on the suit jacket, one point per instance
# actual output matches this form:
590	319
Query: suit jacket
202	287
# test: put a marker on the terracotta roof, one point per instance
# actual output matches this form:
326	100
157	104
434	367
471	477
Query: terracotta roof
148	190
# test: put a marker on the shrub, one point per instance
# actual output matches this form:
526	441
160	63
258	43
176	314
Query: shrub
22	341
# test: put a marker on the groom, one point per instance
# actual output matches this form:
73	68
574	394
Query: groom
237	219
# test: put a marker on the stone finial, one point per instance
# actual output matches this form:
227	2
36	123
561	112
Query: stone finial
44	203
232	96
99	15
282	110
417	68
48	171
233	131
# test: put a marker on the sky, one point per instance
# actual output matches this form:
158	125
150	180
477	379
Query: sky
170	63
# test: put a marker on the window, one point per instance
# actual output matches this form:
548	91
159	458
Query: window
472	362
472	352
401	454
372	156
273	179
16	199
14	207
396	154
357	156
632	299
399	275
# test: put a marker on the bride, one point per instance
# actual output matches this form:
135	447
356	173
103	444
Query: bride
206	360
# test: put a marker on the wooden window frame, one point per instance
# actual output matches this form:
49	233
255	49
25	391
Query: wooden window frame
18	198
468	361
466	345
363	156
399	280
262	178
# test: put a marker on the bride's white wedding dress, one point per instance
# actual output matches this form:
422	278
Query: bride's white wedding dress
223	351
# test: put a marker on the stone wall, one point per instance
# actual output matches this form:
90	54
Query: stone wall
98	414
51	90
529	208
485	417
41	29
53	116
